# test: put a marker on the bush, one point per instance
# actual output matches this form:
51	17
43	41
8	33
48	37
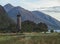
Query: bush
51	31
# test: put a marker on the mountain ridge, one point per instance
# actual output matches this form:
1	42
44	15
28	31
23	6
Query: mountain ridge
8	7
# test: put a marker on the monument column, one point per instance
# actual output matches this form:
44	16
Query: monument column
19	22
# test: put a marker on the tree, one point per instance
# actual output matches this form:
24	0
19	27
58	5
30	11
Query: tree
27	26
5	21
36	29
51	31
12	28
43	27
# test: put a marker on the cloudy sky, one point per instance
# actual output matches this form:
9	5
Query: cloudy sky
32	4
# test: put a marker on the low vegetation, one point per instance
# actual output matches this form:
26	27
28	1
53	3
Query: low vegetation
31	38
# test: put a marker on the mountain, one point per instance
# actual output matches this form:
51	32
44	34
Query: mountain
6	23
25	14
35	16
8	7
3	18
52	11
48	19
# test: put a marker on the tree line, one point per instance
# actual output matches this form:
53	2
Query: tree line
29	26
26	26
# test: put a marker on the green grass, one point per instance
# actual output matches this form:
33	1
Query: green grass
31	38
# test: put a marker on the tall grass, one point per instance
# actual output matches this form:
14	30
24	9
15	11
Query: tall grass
31	39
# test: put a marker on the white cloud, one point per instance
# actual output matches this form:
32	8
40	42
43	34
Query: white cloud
31	4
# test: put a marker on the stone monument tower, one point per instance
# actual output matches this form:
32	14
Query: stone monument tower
19	22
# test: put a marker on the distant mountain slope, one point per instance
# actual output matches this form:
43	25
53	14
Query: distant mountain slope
35	16
53	11
48	18
8	7
25	14
4	19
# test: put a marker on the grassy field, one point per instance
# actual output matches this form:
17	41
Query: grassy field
30	38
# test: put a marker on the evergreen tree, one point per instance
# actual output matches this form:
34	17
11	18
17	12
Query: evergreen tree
43	27
28	26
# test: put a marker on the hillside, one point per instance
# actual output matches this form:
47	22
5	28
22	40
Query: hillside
5	21
8	7
3	18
